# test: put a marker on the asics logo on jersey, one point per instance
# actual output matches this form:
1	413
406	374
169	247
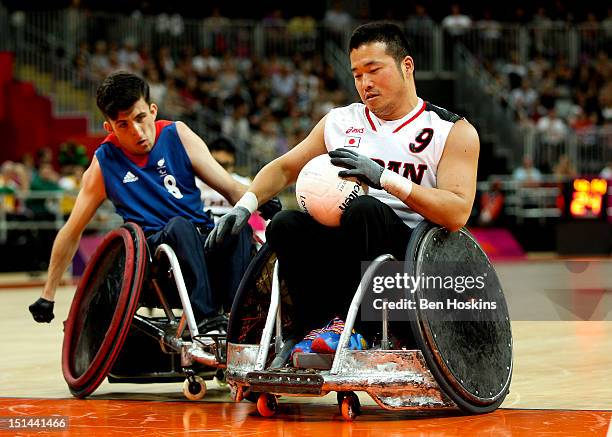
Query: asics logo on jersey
129	177
355	130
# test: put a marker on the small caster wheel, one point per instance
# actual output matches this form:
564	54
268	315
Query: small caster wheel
220	378
249	395
267	405
350	406
194	388
339	397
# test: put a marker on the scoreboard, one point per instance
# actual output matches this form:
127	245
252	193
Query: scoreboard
586	225
589	198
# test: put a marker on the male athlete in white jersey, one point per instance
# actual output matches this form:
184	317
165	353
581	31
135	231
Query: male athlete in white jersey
419	160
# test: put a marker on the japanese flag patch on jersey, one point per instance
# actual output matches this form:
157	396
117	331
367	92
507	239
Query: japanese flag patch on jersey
352	141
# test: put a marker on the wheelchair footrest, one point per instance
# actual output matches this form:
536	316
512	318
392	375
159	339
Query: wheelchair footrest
309	360
289	381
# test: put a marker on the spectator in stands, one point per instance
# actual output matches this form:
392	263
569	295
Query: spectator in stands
456	24
491	205
7	189
274	19
606	172
45	180
490	32
157	87
174	104
552	129
564	169
216	22
537	67
527	174
129	56
514	70
29	166
589	31
605	100
519	17
100	65
268	143
583	122
283	82
337	19
307	86
82	62
165	61
525	97
419	29
205	63
606	24
541	25
71	154
170	24
275	31
228	78
14	176
70	181
236	124
214	28
419	23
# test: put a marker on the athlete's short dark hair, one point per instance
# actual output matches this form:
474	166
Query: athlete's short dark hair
119	91
223	144
398	46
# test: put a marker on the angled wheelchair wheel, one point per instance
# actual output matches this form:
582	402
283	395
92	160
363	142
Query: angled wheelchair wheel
103	308
252	301
470	357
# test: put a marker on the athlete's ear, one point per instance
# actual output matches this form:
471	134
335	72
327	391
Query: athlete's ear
408	64
153	108
108	127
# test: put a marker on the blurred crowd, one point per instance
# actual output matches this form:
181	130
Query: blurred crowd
20	181
269	104
554	98
266	105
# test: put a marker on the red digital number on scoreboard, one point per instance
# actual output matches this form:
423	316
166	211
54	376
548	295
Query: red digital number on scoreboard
587	197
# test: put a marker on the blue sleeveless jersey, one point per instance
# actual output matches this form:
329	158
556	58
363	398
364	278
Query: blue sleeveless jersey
152	194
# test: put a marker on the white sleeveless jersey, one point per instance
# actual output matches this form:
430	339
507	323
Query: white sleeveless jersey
411	146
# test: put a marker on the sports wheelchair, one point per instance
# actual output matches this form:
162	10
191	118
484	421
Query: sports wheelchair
449	363
111	330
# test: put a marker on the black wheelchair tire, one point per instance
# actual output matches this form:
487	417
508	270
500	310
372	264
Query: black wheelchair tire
432	358
83	384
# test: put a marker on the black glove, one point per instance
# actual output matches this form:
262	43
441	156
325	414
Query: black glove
42	310
270	208
231	223
361	167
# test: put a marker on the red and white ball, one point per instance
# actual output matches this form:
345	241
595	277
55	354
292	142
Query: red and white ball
322	194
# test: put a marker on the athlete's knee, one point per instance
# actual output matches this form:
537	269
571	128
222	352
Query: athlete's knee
179	227
282	226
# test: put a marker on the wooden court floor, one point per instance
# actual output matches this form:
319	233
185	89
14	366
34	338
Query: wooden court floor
562	380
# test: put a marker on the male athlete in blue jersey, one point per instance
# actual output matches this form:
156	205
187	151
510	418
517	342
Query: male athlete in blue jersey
147	169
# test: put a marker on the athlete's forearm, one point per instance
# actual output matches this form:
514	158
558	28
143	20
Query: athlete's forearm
236	193
64	248
443	207
270	181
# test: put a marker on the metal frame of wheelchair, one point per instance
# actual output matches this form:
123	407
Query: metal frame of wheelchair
104	334
415	379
